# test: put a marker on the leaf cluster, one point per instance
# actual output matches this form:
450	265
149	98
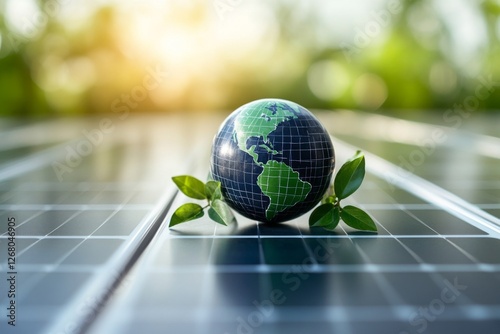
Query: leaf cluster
210	191
327	215
347	181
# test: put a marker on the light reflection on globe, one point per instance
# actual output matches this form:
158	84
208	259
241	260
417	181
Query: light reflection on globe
274	160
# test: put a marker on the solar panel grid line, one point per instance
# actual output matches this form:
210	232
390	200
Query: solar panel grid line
334	268
464	252
420	221
404	209
65	268
76	239
62	196
54	237
413	254
339	317
34	161
27	288
427	191
103	285
60	266
379	224
326	236
58	151
66	207
261	266
70	186
436	277
461	158
150	253
32	283
308	249
35	215
43	237
391	294
381	273
439	236
342	316
384	127
204	309
262	259
426	206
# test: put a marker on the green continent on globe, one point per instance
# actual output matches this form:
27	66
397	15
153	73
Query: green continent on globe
259	122
283	186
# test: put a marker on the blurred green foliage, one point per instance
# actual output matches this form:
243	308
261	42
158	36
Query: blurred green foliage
58	59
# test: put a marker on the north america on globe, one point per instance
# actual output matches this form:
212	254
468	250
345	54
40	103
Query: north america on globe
274	160
278	181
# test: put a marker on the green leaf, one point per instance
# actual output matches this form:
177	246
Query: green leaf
326	215
350	176
190	186
186	212
220	212
329	199
357	218
212	190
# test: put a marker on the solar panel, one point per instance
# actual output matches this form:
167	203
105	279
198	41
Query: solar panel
76	230
83	265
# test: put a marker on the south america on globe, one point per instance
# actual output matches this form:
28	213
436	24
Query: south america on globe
274	160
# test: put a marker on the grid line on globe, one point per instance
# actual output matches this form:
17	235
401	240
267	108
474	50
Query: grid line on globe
274	160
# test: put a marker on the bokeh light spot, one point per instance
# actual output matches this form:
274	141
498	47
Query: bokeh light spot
442	78
327	80
369	91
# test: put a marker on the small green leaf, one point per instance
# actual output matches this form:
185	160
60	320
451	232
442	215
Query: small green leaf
220	212
326	215
357	218
190	186
186	212
350	176
212	190
329	199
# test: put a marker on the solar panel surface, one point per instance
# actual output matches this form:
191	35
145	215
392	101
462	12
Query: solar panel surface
83	265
